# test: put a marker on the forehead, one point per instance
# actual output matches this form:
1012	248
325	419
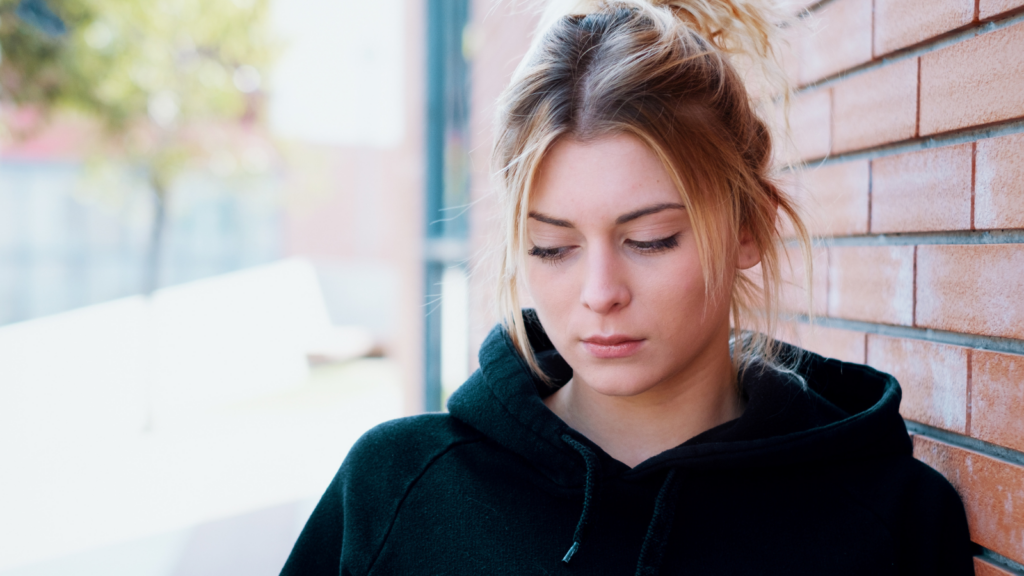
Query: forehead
601	178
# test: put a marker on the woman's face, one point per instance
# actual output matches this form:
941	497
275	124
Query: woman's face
613	269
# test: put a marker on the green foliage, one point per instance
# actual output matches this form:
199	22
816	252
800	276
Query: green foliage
151	72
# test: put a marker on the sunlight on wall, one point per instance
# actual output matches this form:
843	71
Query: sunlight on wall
340	79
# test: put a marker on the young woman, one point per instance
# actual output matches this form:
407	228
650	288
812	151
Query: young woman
632	422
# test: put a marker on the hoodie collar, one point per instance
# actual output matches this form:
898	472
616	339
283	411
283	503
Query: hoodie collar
824	410
504	401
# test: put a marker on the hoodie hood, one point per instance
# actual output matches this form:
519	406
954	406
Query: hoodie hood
825	410
840	411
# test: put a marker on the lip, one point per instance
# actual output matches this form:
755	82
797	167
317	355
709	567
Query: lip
612	346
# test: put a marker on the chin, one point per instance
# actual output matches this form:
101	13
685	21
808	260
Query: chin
620	380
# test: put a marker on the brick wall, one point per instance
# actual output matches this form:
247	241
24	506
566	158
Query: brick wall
910	122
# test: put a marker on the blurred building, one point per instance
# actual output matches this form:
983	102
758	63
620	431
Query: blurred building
346	112
349	100
321	224
65	244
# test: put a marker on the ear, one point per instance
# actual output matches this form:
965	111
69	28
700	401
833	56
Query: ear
747	254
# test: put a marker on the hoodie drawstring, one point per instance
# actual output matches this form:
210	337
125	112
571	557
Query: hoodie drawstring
588	494
653	549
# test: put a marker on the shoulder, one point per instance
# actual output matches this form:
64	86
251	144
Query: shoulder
928	481
405	446
377	475
921	510
935	535
932	499
893	485
435	429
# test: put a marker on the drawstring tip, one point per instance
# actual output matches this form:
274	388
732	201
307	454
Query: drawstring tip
568	555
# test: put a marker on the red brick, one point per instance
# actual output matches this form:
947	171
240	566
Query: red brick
810	120
901	23
923	191
839	39
997	398
933	377
836	198
876	107
786	51
794	293
992	491
972	289
845	345
990	8
983	568
789	58
872	284
757	85
998	183
791	184
974	82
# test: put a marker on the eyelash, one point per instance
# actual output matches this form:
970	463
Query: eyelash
655	246
550	254
650	247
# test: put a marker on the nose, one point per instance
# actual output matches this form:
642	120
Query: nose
605	287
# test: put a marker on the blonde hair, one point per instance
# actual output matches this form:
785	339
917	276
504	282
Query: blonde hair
666	73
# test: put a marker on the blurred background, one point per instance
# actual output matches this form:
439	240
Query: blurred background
234	235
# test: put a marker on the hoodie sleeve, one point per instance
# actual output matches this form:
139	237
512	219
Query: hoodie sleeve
346	532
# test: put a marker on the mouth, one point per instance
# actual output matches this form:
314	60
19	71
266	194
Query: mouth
614	346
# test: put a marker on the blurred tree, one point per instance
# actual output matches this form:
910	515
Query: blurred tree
161	77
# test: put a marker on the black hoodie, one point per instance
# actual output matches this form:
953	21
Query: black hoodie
816	479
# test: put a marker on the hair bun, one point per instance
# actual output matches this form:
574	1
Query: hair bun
747	26
746	30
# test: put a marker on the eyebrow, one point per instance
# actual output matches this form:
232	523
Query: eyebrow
620	220
649	210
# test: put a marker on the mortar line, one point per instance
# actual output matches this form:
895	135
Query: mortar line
974	178
955	237
917	111
990	343
1001	561
953	137
995	451
913	298
871	190
970	374
873	55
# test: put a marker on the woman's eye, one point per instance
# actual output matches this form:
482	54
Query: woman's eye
652	246
550	254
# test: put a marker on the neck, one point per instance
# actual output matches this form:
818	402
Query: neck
634	428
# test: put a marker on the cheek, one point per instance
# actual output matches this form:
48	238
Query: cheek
675	288
549	287
553	292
